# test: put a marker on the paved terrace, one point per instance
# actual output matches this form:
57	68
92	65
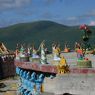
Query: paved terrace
80	81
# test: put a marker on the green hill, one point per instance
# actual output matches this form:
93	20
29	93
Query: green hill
42	30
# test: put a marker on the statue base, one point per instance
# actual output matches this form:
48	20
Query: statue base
24	59
55	62
34	60
84	63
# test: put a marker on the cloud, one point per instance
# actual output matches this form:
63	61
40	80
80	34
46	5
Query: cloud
92	23
6	4
82	19
73	20
90	14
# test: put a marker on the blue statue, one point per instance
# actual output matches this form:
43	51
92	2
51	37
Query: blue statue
28	76
22	91
32	81
39	82
33	77
19	90
30	93
24	74
27	79
17	70
24	81
33	92
52	76
21	73
40	78
26	92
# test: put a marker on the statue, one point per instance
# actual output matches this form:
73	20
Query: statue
22	52
77	45
66	49
32	82
43	54
53	48
56	53
62	66
39	82
80	54
17	53
62	61
34	53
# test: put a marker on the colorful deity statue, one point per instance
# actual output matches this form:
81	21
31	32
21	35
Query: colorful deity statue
80	54
17	53
62	61
66	49
39	82
24	56
62	66
22	51
43	59
53	48
77	46
56	52
34	53
32	79
28	51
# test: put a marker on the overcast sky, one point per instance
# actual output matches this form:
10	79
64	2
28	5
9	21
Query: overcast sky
68	12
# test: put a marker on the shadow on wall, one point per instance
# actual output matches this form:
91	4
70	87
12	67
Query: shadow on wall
67	94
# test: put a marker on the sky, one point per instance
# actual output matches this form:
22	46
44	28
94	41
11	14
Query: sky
67	12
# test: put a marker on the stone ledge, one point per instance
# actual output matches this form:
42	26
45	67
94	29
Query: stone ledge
51	68
37	67
82	70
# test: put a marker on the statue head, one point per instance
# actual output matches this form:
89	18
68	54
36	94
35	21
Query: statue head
33	75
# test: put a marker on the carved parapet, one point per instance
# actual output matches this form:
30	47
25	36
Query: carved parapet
37	67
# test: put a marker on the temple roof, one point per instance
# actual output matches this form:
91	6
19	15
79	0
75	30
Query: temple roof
3	49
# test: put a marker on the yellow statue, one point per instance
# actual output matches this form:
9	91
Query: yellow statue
62	61
62	66
56	51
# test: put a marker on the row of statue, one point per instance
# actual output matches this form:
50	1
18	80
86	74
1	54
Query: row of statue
41	52
36	52
29	81
30	51
21	51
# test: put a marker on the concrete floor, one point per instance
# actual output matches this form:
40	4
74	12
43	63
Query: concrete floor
10	86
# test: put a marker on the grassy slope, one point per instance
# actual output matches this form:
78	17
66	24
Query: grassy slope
37	31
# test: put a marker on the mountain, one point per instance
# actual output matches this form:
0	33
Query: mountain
35	32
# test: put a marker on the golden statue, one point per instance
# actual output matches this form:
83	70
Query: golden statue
62	61
62	66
